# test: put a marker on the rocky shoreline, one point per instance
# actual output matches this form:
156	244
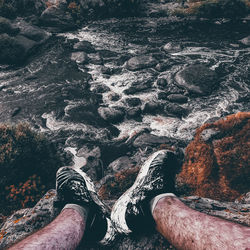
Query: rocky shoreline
112	91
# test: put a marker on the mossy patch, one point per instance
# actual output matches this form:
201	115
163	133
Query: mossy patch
217	167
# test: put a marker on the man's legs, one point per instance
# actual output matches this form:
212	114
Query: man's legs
186	228
65	232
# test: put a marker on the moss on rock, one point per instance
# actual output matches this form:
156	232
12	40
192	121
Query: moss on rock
217	160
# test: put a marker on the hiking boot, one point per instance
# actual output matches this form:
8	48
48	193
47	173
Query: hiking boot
74	186
131	212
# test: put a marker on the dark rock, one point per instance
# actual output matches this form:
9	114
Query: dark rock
175	109
96	59
101	88
138	87
172	47
7	27
140	62
57	18
197	79
152	107
112	114
162	67
122	163
246	41
114	97
134	113
106	70
162	82
80	57
107	53
162	96
84	46
32	32
149	140
177	98
132	102
14	50
16	111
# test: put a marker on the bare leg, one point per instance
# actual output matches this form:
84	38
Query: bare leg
65	232
186	228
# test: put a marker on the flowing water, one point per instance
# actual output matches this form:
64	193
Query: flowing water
57	96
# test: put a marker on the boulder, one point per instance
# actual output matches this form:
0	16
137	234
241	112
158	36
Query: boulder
14	50
7	27
57	18
172	47
80	57
32	32
137	87
84	46
112	114
133	101
175	109
140	62
134	113
162	82
217	160
152	107
177	98
197	79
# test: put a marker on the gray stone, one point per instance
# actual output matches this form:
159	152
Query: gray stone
172	47
112	114
152	107
6	26
133	101
100	88
138	87
162	82
177	98
80	57
58	18
134	113
197	79
84	46
140	62
175	109
119	164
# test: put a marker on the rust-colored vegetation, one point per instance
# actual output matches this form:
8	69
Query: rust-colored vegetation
122	180
28	163
220	168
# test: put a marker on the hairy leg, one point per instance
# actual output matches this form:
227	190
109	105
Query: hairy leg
65	232
186	228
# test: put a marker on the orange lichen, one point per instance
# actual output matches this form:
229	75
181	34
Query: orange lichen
121	182
2	234
220	168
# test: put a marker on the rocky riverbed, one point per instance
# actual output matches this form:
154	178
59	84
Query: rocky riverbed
115	90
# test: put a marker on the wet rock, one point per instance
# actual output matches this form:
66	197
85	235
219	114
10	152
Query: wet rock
85	46
175	109
177	98
100	88
162	82
172	47
140	62
112	114
197	79
14	50
132	102
80	57
104	53
222	147
57	18
7	27
114	97
32	32
245	41
106	70
16	111
137	87
122	163
162	96
96	59
134	113
152	107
